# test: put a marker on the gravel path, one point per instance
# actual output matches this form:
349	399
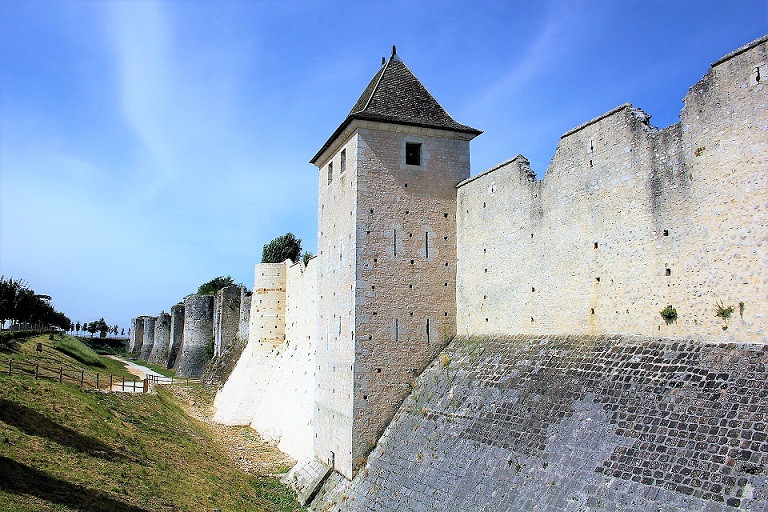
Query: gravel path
243	445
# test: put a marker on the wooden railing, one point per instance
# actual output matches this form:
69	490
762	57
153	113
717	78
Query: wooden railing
78	377
92	380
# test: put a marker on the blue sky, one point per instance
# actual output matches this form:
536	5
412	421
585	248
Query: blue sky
146	147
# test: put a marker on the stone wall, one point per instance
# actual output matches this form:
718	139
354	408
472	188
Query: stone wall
387	277
627	220
137	335
574	423
245	313
159	354
336	245
149	337
237	400
198	331
286	409
226	317
177	335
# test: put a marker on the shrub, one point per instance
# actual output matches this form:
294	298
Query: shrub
669	314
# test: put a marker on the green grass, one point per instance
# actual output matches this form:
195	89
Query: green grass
63	449
79	350
52	357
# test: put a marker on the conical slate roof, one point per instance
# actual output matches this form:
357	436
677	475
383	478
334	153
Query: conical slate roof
395	95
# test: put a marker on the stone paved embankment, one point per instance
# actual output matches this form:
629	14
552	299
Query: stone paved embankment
574	423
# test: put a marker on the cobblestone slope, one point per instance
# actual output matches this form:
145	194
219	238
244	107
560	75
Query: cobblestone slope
574	423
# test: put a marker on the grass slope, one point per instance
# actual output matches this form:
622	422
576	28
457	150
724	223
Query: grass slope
63	449
78	350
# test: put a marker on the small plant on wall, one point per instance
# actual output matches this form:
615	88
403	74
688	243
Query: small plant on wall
669	314
724	312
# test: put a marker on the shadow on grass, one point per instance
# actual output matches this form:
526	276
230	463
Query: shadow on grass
21	479
33	423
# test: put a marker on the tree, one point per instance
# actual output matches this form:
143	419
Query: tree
214	285
282	248
77	326
92	328
122	331
306	257
9	293
102	327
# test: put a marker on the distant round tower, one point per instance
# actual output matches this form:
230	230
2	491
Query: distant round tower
137	335
198	332
226	317
177	335
159	354
149	337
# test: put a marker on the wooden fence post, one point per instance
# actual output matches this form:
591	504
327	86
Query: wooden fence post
61	373
97	380
110	382
123	382
82	377
37	370
10	367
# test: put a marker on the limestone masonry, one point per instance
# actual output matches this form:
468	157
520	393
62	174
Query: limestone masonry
595	340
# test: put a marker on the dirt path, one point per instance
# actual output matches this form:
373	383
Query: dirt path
242	444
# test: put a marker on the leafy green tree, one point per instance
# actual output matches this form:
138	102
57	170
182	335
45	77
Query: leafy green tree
9	293
214	285
77	327
306	257
282	248
92	328
102	327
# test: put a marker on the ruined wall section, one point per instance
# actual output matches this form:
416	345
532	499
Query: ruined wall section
245	313
406	266
159	353
237	400
137	335
286	410
573	423
335	350
226	317
198	331
149	337
177	335
627	220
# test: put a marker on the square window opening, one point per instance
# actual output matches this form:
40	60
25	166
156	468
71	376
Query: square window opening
412	153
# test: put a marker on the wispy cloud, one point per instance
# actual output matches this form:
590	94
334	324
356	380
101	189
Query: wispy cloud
142	36
534	61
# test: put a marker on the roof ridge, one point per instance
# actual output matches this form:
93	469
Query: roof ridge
378	82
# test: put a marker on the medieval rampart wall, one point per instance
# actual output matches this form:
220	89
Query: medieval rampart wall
285	412
237	400
627	220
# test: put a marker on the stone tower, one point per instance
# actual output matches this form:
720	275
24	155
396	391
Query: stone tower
387	244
